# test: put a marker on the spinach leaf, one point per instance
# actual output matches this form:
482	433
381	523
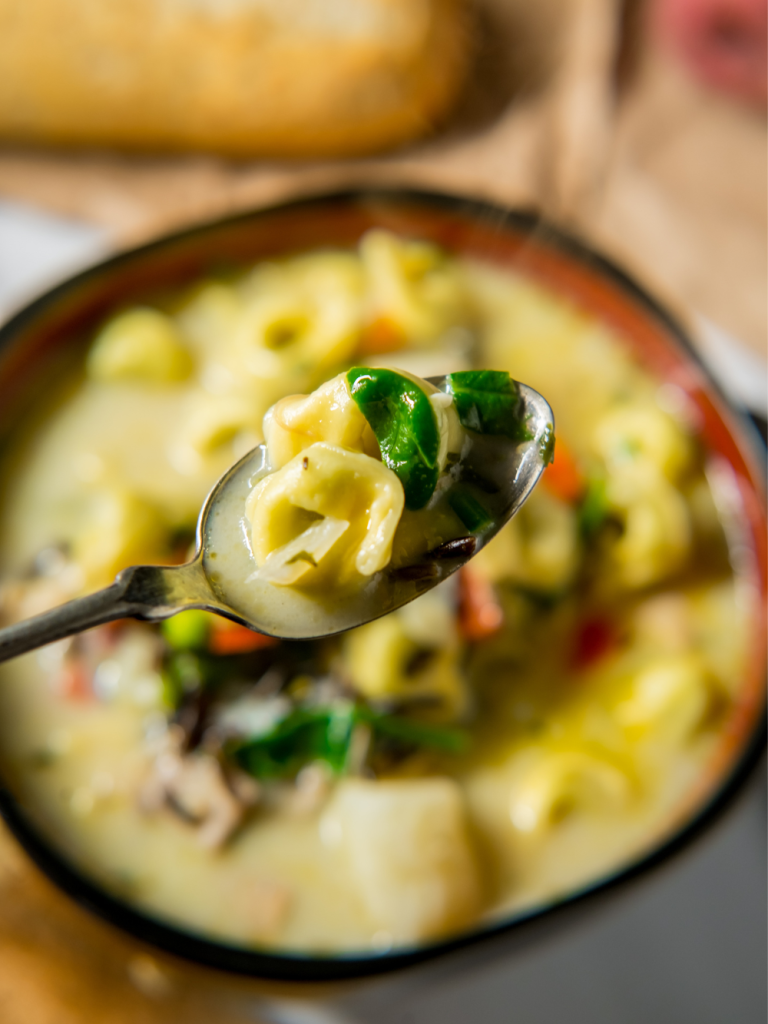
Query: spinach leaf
488	402
324	733
306	734
401	416
445	738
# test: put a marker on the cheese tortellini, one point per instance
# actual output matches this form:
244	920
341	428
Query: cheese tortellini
415	295
328	414
539	548
331	508
300	316
141	345
557	782
327	515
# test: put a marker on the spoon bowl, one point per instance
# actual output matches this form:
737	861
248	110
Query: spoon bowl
215	578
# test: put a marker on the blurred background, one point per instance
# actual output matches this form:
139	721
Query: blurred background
638	125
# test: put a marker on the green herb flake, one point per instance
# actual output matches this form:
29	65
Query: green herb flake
473	514
401	416
594	508
547	445
488	402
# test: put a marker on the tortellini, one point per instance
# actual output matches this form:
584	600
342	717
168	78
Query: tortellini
410	655
217	421
539	548
667	700
656	535
328	514
328	414
643	434
554	783
119	529
301	317
407	847
414	295
326	456
141	344
645	452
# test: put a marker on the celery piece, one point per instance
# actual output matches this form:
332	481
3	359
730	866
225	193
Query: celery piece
488	402
187	629
405	425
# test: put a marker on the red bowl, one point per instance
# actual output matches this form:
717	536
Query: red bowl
51	332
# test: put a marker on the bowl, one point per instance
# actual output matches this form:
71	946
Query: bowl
46	336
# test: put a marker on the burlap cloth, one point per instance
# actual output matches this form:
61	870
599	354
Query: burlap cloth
661	173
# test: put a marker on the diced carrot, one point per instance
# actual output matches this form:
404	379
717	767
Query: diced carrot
74	683
594	639
381	335
230	638
562	477
480	614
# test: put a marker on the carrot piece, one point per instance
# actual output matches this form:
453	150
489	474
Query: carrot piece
230	638
381	335
480	614
562	477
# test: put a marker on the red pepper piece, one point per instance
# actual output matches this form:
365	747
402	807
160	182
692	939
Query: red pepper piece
595	637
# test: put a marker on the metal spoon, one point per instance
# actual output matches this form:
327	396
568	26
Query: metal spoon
506	471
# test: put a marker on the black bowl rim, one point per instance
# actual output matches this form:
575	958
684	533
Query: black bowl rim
347	967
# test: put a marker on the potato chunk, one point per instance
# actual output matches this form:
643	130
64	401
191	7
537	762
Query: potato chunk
409	854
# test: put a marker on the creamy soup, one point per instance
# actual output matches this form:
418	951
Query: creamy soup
532	723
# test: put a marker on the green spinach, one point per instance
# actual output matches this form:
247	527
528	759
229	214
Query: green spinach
401	416
488	402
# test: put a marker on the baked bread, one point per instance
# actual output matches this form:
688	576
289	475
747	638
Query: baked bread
283	78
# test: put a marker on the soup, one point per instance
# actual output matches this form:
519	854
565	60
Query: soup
531	724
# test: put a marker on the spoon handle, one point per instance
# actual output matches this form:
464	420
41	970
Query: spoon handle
141	592
66	620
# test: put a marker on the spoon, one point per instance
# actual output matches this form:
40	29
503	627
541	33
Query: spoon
214	580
